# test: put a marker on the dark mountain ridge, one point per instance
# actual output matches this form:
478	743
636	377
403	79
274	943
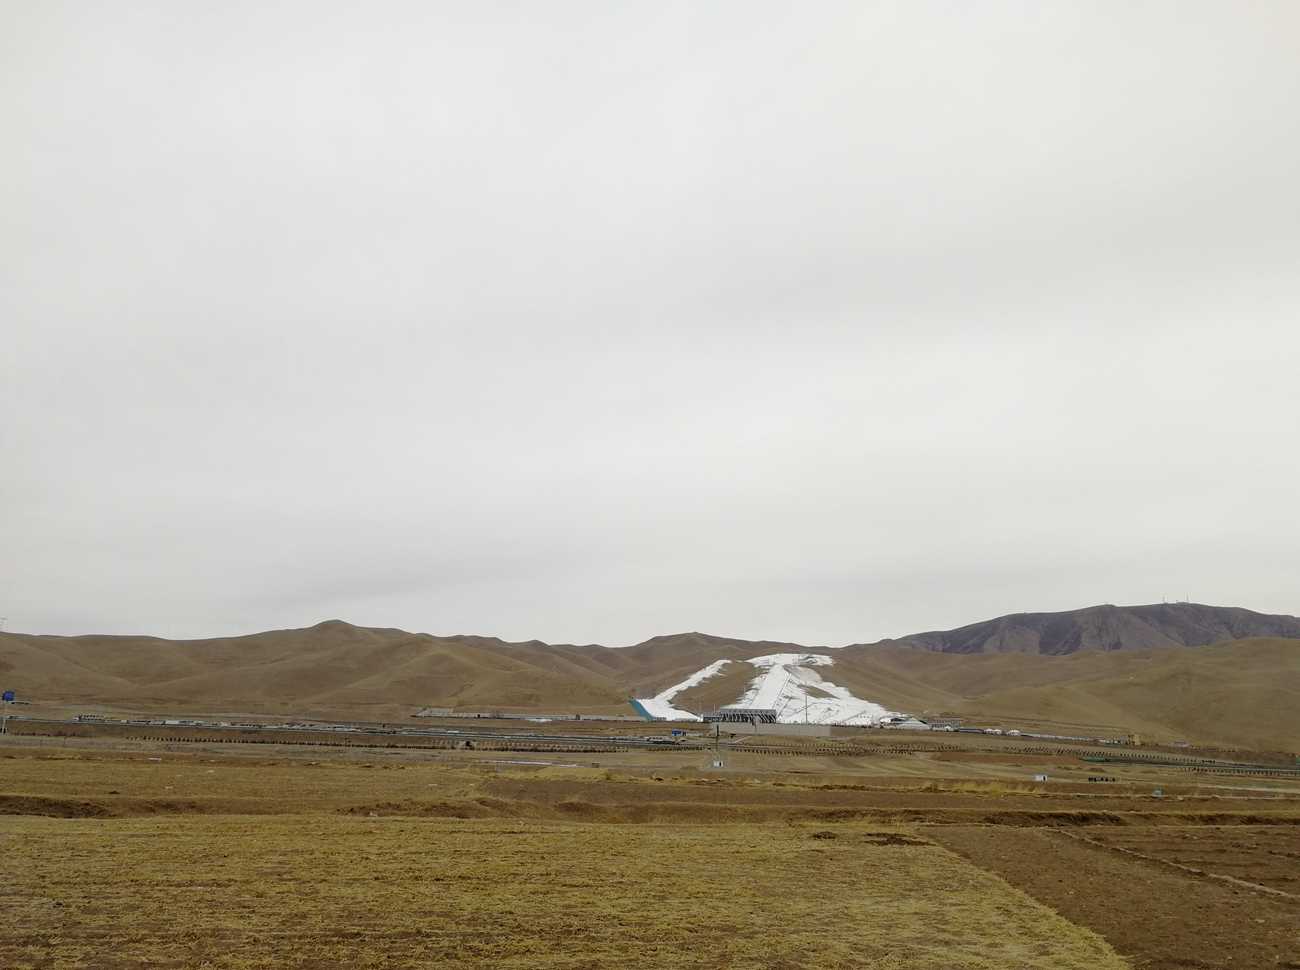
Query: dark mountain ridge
1106	628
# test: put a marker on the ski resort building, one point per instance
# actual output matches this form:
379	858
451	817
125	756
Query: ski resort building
905	723
741	715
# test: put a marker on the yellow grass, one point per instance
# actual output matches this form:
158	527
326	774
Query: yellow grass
324	891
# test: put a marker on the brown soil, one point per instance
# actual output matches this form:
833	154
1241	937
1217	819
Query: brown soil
730	801
51	807
1158	917
1268	856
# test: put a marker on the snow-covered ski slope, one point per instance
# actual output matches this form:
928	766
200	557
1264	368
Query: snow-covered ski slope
790	686
660	706
787	684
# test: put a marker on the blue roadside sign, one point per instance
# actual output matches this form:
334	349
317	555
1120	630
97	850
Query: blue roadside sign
7	697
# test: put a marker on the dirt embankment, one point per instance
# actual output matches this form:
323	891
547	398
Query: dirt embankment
633	802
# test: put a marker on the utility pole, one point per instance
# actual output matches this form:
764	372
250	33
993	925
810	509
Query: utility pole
4	718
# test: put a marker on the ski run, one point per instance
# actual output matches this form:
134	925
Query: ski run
788	684
660	706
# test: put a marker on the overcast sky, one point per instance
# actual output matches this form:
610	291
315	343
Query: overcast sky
594	321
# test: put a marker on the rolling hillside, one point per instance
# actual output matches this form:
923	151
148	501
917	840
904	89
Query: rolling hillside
1240	693
1244	691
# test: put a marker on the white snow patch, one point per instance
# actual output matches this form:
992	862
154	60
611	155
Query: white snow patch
783	687
660	706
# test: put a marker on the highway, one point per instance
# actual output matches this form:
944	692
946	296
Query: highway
347	730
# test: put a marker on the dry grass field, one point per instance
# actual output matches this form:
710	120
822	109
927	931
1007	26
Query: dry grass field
321	891
124	855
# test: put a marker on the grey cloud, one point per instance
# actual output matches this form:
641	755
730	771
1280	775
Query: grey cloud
595	322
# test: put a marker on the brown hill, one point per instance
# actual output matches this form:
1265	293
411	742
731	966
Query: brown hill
335	666
1242	693
332	666
1107	628
1239	694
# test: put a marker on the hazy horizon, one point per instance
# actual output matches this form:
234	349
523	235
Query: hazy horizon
589	324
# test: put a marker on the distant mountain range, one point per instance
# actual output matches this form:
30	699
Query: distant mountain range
1106	628
1127	667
